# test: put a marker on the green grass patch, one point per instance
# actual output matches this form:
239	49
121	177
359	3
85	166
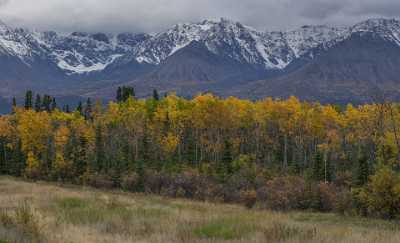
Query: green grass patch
92	211
147	213
78	211
89	211
72	203
4	241
226	229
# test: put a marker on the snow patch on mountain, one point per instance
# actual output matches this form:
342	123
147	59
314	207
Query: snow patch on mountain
81	68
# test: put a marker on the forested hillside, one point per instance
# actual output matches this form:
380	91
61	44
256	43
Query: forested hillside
279	154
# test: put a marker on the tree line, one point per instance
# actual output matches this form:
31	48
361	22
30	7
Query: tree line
278	154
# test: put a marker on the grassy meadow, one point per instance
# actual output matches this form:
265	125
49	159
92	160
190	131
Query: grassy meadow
45	212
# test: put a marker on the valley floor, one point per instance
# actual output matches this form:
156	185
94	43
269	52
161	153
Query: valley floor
43	212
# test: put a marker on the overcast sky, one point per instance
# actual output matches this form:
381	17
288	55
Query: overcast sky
156	15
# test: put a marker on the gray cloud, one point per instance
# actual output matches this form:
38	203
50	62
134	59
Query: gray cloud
322	9
156	15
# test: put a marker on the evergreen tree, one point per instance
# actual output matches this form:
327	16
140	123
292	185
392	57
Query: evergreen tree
14	105
224	168
28	99
146	152
18	159
329	173
318	170
38	103
79	108
119	95
127	92
53	104
131	92
362	172
88	109
14	102
48	156
46	103
99	150
3	159
155	95
76	151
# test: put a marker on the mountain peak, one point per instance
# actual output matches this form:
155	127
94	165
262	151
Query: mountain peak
4	27
376	24
379	21
388	29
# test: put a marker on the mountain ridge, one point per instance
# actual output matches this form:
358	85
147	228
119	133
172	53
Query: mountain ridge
231	55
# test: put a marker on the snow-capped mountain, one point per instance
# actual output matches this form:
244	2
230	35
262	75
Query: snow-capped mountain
212	50
74	53
272	50
18	43
84	52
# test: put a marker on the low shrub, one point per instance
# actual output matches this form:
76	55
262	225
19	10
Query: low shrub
155	181
234	185
130	182
99	180
323	196
381	196
284	193
343	203
249	198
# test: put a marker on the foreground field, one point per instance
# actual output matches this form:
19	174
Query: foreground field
42	212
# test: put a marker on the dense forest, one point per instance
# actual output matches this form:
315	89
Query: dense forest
277	154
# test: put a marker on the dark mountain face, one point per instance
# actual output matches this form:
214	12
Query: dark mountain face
194	69
18	76
360	69
328	64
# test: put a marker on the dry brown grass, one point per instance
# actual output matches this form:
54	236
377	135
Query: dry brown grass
43	212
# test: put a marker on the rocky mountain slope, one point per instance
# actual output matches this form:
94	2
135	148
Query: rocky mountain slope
331	64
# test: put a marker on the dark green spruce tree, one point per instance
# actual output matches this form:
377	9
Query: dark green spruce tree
119	95
88	109
79	108
99	162
46	103
28	99
156	96
318	170
3	157
127	92
224	168
38	103
18	159
362	171
53	104
14	105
